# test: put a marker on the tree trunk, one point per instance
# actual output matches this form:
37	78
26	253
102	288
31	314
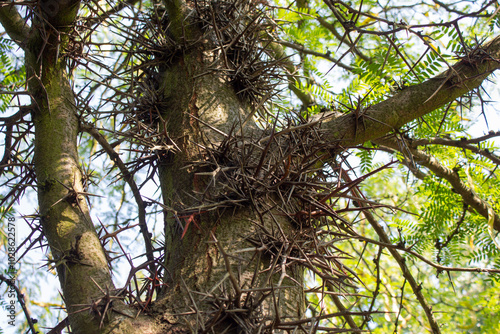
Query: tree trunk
226	262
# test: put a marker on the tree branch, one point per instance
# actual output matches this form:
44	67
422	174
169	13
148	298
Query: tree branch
59	14
114	10
415	101
278	52
15	26
127	176
453	10
334	31
417	289
327	56
461	143
177	13
20	299
407	162
348	318
408	250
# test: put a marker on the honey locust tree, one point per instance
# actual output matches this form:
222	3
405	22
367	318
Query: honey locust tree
247	117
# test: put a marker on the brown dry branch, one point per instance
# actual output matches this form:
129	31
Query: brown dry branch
16	166
398	26
35	229
416	287
385	241
59	327
132	290
440	246
424	259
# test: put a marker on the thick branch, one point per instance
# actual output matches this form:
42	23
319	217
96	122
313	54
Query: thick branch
59	13
461	143
178	14
415	101
13	23
77	253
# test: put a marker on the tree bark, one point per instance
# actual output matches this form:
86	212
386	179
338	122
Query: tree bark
216	276
415	101
76	251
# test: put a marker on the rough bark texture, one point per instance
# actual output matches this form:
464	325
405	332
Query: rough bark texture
208	254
